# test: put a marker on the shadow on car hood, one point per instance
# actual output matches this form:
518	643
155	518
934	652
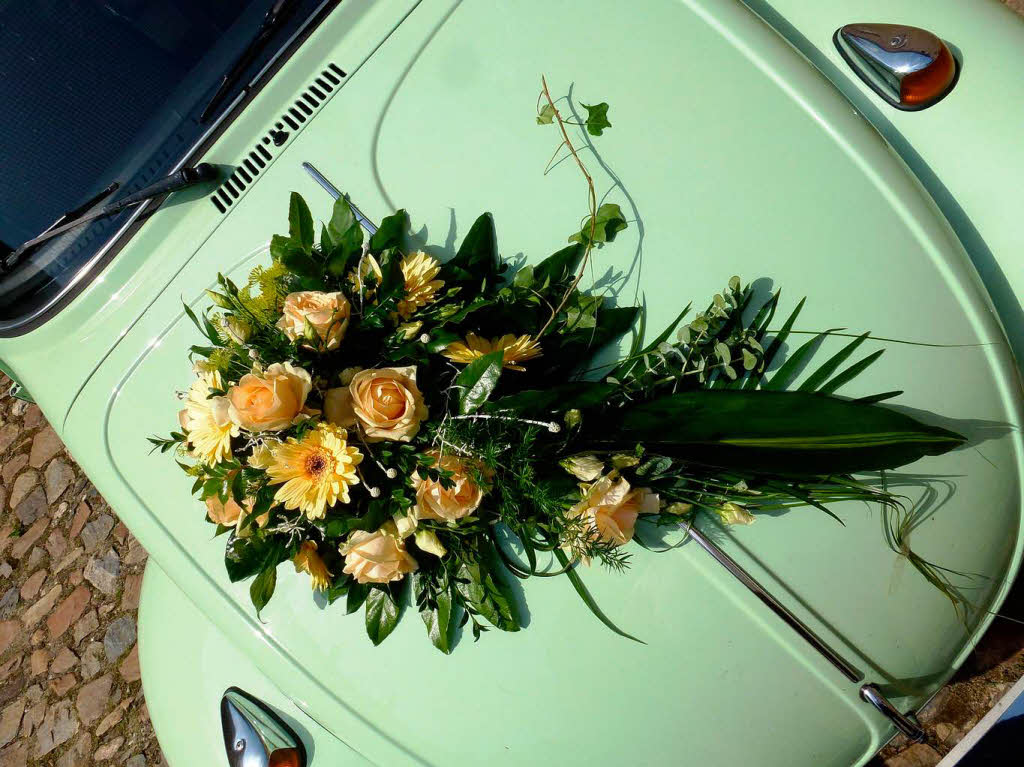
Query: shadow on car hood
730	154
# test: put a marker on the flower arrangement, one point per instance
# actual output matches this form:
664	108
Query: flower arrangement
386	421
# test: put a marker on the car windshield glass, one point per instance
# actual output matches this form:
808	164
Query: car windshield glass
96	91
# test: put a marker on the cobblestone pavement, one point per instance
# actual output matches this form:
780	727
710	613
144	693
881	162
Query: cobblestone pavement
70	576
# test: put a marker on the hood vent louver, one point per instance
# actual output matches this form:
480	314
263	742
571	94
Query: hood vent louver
256	161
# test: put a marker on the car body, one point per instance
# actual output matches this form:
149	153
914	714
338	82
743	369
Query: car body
741	143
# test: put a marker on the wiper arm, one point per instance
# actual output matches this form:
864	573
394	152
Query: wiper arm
276	16
183	178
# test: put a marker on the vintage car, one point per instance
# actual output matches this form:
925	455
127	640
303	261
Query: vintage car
875	169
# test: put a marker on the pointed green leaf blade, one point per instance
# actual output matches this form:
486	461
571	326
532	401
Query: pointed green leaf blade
816	379
381	614
300	223
478	380
843	378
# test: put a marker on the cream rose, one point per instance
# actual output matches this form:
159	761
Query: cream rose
610	508
271	401
449	504
384	402
231	514
326	313
377	557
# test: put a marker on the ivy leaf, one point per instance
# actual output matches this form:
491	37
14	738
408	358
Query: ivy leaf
262	588
478	380
547	115
390	232
381	614
608	222
300	223
597	118
559	266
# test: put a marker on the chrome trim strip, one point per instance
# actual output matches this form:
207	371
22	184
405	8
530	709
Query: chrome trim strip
869	692
334	192
847	669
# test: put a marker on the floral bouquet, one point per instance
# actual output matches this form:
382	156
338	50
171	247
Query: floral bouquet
394	425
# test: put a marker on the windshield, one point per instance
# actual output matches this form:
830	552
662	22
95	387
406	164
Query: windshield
97	91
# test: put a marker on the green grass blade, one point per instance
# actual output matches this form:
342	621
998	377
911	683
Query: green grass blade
873	398
822	374
588	600
776	344
850	373
791	366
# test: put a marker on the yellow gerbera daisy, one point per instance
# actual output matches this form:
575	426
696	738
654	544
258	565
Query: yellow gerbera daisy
419	271
308	561
516	349
314	472
207	419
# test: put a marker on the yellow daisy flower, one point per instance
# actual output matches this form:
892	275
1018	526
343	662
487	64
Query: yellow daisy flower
516	349
419	271
314	472
207	419
308	561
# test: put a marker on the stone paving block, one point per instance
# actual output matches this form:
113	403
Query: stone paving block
45	445
68	612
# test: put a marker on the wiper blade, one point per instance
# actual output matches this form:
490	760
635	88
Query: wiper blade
183	178
276	16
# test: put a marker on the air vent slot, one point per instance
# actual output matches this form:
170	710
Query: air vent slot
305	105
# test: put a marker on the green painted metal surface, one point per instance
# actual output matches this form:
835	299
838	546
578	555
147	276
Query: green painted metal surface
191	664
731	154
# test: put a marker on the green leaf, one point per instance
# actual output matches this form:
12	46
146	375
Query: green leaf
775	345
390	233
477	257
788	370
342	219
577	394
558	266
326	243
300	223
301	264
357	594
280	245
608	222
245	557
546	116
524	277
488	596
850	373
438	621
262	588
381	614
822	374
597	118
478	380
797	434
588	600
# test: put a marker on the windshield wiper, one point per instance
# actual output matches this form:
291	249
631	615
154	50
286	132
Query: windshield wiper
183	178
276	16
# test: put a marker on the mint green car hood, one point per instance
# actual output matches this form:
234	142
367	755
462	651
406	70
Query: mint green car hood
730	154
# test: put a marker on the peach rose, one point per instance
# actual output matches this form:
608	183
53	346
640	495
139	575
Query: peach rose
377	557
230	513
271	401
326	313
384	402
448	504
610	508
